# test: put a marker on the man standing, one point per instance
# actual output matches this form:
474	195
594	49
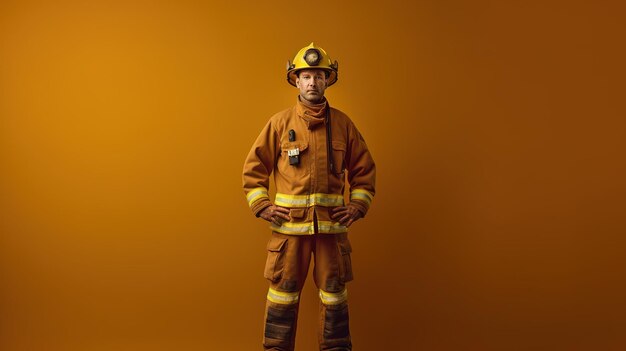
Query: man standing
309	147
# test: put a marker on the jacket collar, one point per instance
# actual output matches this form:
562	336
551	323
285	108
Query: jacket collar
313	115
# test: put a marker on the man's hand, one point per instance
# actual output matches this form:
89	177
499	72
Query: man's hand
345	215
275	214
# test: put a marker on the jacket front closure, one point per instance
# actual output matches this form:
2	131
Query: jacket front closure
312	200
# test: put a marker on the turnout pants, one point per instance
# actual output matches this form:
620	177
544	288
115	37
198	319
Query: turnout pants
286	268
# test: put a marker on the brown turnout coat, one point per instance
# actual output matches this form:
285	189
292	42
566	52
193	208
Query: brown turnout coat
309	189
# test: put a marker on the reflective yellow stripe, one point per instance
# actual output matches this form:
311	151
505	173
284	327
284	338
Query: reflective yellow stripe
308	227
318	199
361	194
294	228
285	298
331	227
333	298
256	194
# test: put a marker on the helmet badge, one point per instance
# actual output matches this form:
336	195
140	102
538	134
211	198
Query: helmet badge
312	57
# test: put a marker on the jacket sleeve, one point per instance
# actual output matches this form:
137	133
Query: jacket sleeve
361	171
258	167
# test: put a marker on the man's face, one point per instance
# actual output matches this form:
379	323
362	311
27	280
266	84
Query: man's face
312	84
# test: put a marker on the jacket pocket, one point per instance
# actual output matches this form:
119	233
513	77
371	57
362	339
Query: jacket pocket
339	156
296	213
345	262
274	264
293	170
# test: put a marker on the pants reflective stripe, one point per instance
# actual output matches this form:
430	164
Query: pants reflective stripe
285	298
318	199
333	298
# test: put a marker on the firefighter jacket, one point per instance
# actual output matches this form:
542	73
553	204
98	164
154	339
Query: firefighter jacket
309	189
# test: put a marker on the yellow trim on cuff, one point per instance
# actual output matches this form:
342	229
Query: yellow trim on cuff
256	194
361	194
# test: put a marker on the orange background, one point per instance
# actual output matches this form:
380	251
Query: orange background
497	127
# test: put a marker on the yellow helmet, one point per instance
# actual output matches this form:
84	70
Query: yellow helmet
312	57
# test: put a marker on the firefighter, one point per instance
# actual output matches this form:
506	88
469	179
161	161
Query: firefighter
311	149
